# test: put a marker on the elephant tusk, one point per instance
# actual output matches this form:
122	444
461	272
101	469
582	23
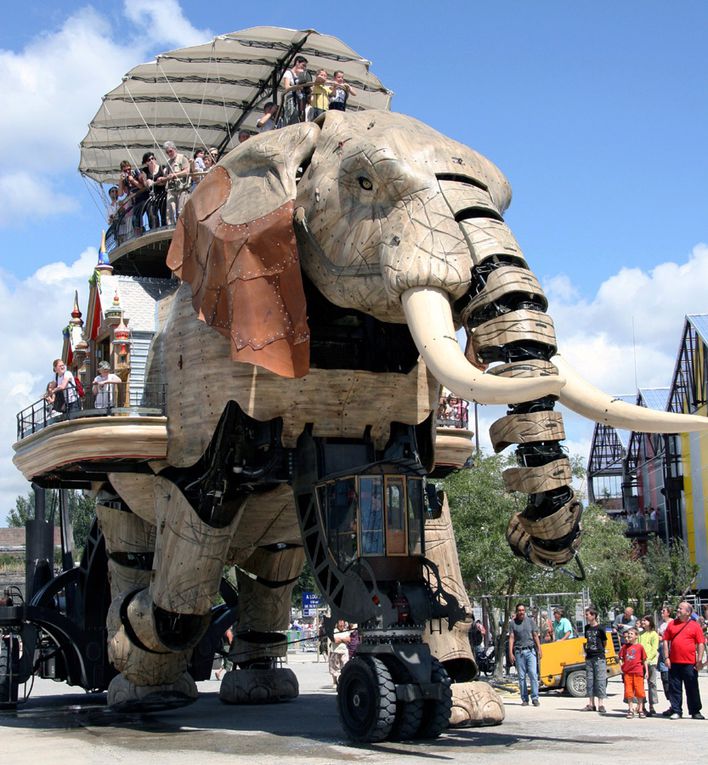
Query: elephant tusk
429	318
584	398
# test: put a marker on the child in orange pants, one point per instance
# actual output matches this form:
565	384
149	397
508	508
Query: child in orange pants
633	659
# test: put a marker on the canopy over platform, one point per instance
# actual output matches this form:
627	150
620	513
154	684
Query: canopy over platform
203	95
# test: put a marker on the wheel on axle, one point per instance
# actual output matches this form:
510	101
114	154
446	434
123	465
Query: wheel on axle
436	712
576	683
366	698
9	659
409	714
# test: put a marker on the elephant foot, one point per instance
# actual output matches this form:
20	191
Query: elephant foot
125	696
259	686
475	704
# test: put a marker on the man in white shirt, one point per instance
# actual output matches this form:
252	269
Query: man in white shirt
103	386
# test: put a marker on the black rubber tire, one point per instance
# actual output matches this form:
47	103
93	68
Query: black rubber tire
409	714
576	683
8	672
436	714
366	699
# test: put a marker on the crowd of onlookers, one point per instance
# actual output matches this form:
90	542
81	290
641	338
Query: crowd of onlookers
673	652
152	195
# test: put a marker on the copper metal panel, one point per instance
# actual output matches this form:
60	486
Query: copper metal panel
245	278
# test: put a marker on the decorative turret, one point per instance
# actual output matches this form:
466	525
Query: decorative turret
114	313
76	319
104	264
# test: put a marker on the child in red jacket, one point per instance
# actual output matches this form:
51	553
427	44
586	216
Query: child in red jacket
633	659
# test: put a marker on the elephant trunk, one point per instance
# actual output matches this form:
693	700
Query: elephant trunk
429	316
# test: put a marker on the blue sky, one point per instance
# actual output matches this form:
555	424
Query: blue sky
595	111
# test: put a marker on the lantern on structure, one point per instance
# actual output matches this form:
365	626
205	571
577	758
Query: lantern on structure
121	341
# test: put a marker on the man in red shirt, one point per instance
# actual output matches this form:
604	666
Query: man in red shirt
684	643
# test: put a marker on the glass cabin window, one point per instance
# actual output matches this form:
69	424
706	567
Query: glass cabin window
395	517
415	516
338	500
371	514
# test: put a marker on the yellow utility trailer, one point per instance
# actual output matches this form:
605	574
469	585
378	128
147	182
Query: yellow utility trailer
563	664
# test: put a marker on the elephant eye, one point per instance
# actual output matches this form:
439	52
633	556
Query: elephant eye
365	183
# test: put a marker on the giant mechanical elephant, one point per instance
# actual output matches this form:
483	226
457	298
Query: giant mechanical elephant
325	268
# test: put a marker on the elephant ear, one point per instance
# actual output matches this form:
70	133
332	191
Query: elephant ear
235	245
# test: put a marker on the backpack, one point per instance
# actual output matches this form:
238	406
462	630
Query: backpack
80	392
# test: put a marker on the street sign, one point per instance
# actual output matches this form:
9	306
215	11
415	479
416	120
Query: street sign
310	603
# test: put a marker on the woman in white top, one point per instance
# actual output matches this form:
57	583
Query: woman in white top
66	399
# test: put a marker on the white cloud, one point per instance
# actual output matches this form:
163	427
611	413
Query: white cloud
24	193
636	317
165	20
53	87
33	313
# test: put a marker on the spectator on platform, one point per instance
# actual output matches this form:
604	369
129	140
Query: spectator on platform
103	386
178	181
198	167
49	397
243	135
66	399
114	206
155	183
295	82
267	120
319	100
132	186
340	92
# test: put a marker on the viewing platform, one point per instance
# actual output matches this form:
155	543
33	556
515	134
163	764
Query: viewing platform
124	430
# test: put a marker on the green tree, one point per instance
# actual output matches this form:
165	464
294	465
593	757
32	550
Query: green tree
481	507
82	511
614	575
21	512
669	571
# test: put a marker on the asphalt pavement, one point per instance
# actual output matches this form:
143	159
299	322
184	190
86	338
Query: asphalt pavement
59	726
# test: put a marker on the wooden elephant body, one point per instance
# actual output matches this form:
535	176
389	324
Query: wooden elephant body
325	270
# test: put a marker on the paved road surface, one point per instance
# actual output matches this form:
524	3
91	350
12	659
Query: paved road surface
58	726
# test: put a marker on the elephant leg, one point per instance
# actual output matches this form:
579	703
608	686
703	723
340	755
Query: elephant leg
265	582
130	544
473	702
506	321
154	629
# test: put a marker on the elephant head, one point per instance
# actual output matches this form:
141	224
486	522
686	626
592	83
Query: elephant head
387	216
393	219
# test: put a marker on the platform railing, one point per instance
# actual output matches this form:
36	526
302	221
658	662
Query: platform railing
135	219
116	399
149	215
